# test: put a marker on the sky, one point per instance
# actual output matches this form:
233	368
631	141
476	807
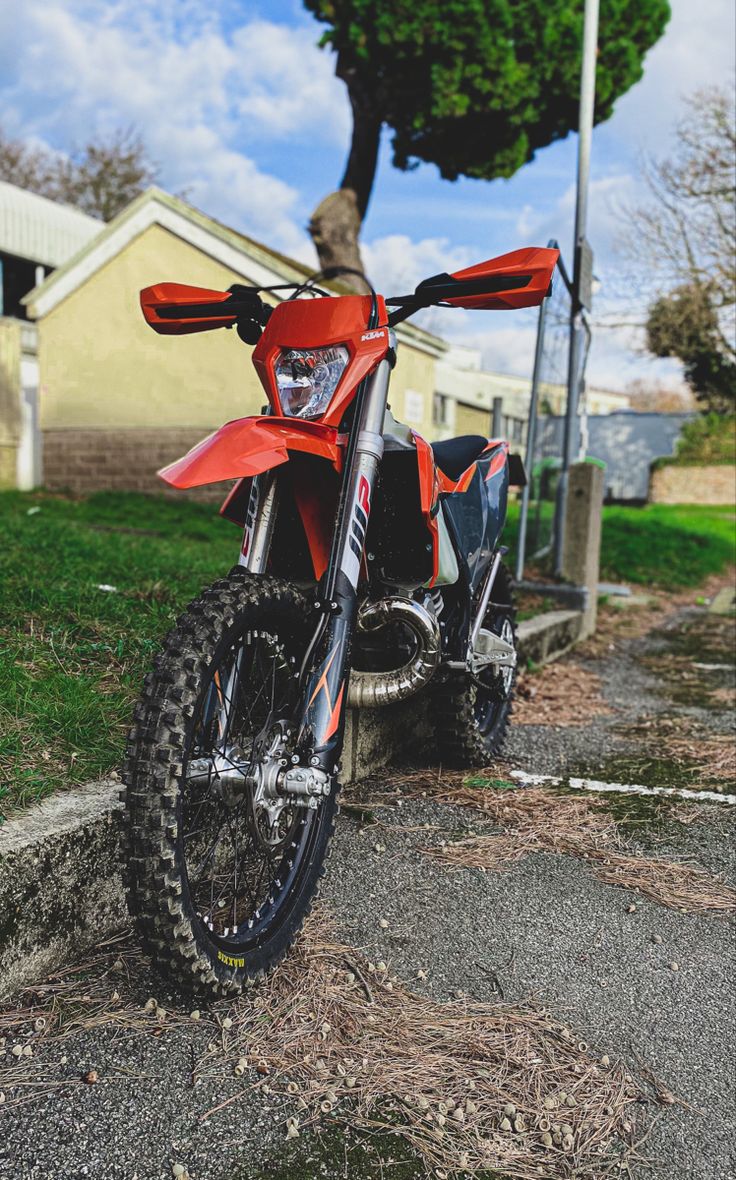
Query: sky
241	111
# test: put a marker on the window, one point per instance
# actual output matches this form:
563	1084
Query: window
414	407
18	276
440	409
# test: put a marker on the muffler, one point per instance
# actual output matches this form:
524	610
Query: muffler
375	689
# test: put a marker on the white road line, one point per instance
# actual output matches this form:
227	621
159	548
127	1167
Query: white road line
591	784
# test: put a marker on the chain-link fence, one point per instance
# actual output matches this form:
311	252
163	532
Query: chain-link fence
542	505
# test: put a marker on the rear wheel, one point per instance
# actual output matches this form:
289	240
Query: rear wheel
472	714
221	871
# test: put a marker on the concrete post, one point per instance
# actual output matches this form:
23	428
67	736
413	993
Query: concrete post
497	418
582	539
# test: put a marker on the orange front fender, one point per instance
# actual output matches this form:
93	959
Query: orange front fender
248	446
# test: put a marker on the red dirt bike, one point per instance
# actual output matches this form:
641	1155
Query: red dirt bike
370	570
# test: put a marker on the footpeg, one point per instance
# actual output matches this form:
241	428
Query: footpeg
491	649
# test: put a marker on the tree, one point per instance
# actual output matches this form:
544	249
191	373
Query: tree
686	236
684	324
657	398
101	179
475	87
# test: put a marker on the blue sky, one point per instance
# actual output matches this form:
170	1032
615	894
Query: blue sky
242	110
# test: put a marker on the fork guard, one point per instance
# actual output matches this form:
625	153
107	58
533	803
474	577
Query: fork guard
248	446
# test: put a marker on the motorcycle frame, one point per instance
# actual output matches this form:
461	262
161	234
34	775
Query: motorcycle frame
322	714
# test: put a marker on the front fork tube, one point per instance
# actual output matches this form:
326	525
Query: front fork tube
323	720
323	716
260	519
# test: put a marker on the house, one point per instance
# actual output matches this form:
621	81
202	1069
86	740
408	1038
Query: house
117	401
90	398
36	236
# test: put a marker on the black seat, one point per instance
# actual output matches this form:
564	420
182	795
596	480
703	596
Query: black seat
454	455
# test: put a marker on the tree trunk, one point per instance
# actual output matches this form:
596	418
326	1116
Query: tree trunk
336	222
335	228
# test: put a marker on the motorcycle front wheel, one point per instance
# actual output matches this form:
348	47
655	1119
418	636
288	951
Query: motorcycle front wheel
219	877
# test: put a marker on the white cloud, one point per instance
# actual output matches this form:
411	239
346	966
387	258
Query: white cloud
396	264
78	68
290	84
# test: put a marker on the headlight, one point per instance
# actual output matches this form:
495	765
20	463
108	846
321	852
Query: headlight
307	378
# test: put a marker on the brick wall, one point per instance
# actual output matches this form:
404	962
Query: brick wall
83	461
693	485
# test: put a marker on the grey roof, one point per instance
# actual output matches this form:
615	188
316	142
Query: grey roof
41	230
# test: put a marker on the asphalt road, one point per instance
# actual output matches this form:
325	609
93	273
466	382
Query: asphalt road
546	928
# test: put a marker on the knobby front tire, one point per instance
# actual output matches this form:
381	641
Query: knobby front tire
215	921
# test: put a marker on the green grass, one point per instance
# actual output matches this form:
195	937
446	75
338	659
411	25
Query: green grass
72	656
671	546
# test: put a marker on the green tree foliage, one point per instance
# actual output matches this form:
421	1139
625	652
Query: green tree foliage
684	324
709	438
475	87
101	179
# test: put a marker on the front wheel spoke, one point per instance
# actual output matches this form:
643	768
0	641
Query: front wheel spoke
208	855
240	853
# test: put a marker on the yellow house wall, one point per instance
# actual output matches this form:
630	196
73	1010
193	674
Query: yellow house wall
117	401
414	371
470	420
102	367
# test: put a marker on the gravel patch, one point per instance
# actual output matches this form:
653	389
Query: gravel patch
545	929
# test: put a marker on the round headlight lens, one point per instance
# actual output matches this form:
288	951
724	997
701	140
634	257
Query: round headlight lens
307	378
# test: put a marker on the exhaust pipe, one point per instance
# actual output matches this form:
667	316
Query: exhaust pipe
375	689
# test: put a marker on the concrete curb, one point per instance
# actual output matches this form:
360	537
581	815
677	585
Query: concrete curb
547	637
60	889
60	885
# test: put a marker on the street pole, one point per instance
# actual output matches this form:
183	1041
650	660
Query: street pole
497	417
531	433
585	134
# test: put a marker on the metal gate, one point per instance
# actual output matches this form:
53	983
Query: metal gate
562	340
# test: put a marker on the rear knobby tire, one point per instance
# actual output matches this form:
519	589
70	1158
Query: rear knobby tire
172	929
471	724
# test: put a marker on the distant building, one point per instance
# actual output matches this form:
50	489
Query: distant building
36	236
466	394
